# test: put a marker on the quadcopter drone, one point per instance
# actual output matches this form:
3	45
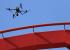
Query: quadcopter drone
18	10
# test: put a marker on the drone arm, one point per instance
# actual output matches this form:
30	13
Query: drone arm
12	9
21	13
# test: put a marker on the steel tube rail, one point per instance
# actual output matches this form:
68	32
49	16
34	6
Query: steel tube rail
33	26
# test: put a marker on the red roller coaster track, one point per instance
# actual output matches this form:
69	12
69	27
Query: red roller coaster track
38	40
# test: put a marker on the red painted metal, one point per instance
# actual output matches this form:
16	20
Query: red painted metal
37	40
34	26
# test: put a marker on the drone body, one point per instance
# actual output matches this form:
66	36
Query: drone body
18	10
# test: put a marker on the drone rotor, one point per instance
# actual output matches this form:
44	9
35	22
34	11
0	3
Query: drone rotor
21	6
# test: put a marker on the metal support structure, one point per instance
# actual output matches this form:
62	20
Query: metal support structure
35	26
64	27
3	36
33	29
9	41
44	37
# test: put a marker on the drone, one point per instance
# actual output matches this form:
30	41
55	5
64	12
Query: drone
18	10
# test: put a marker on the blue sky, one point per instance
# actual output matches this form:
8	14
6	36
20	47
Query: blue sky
41	11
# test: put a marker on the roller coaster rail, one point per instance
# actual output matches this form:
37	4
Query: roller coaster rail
34	26
33	29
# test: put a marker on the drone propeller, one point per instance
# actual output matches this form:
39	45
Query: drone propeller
21	6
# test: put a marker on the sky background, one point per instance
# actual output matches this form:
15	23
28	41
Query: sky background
41	11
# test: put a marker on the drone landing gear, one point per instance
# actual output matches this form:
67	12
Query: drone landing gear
13	16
